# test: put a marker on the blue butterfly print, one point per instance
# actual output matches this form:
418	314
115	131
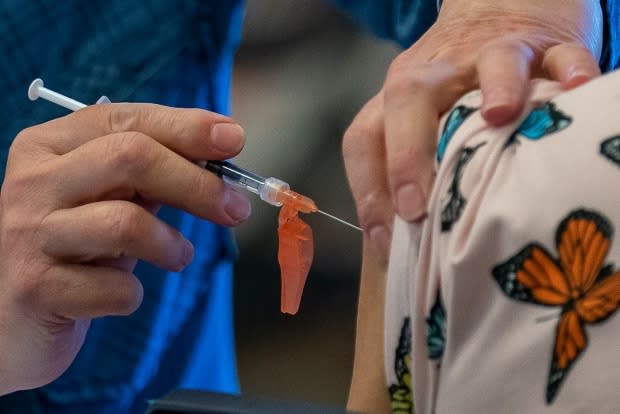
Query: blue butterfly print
610	148
454	207
436	330
543	120
455	119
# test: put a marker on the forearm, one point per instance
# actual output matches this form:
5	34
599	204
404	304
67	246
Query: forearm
368	392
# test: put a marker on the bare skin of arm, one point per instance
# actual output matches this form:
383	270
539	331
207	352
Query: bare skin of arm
368	393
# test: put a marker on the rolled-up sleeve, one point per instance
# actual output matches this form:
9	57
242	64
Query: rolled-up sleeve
402	21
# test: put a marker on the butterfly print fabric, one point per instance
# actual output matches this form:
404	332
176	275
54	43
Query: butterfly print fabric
542	120
610	148
511	282
400	393
577	282
456	201
436	330
455	119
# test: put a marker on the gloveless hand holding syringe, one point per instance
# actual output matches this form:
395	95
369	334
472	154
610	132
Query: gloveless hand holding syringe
271	190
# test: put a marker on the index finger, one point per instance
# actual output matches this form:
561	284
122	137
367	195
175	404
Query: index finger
195	134
363	149
503	72
415	97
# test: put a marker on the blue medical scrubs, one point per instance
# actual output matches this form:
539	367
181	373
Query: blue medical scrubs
173	53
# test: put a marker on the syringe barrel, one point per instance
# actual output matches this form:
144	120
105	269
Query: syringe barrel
266	188
270	190
235	175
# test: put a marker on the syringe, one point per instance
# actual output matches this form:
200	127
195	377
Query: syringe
271	190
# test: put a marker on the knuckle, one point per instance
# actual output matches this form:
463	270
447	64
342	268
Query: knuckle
508	46
124	222
578	48
24	137
200	181
399	65
370	206
18	187
352	137
11	187
128	151
25	148
367	125
28	288
573	51
123	117
406	80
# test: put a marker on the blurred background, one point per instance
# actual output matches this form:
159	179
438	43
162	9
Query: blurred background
301	74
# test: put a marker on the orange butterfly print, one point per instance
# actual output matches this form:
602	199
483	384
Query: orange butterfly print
586	290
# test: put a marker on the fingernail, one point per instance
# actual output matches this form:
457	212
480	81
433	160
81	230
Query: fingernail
380	237
227	137
498	106
188	253
410	202
577	76
237	205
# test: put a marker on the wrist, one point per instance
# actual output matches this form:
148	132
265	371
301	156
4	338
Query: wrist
563	21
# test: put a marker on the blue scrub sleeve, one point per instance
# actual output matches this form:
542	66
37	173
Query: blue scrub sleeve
403	21
610	57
